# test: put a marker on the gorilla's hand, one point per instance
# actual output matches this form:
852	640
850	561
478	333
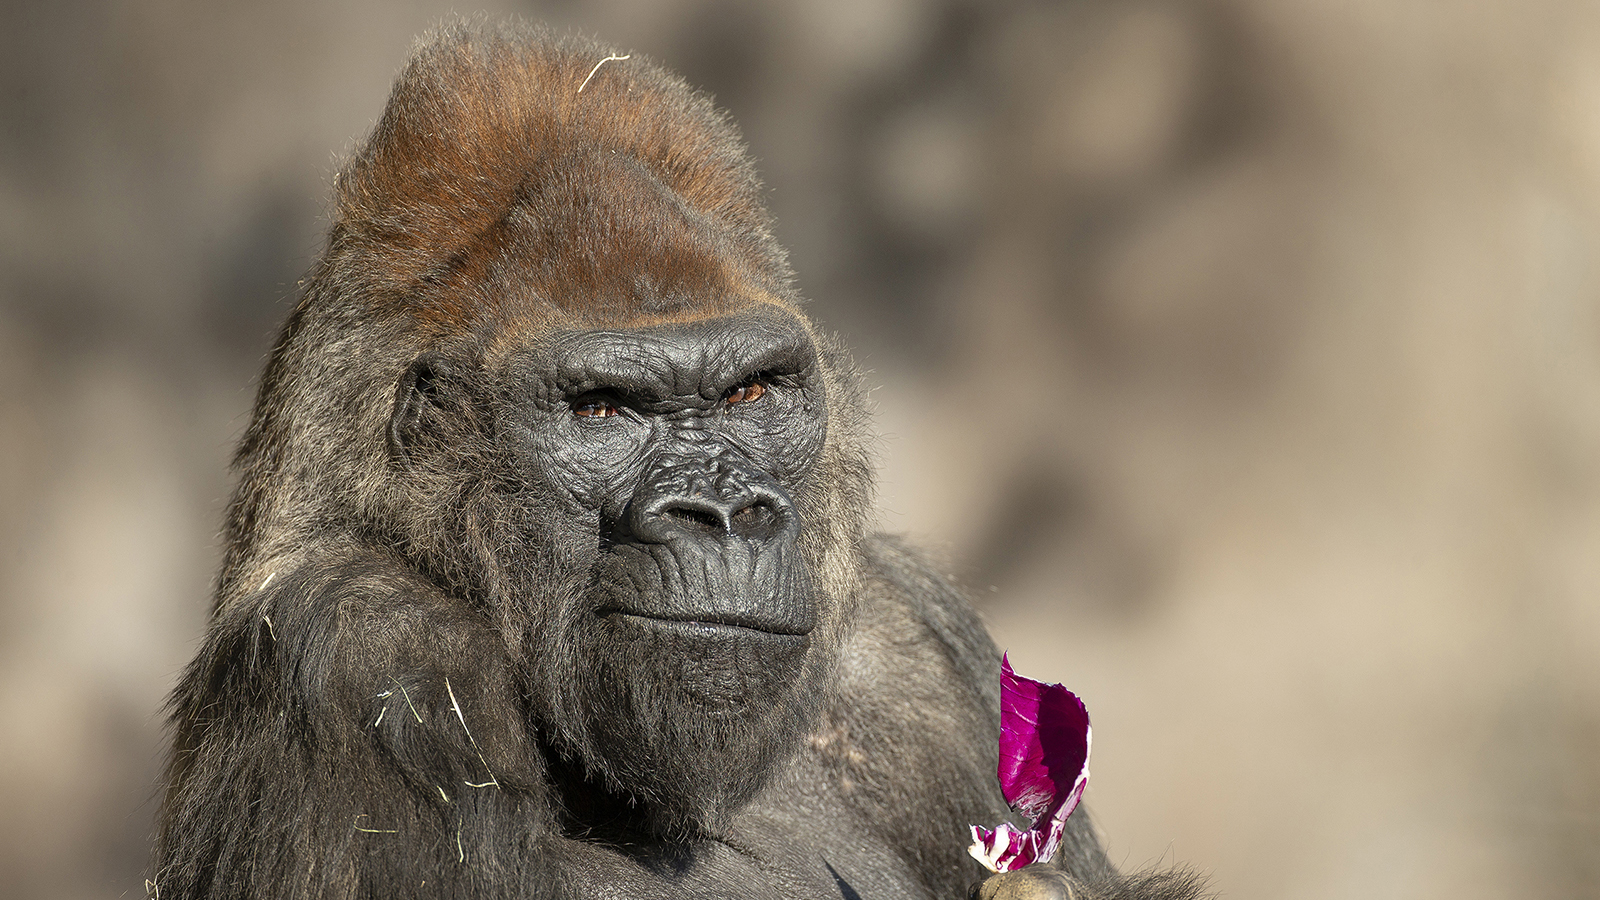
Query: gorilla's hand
1030	883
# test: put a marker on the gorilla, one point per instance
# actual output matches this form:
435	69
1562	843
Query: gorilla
548	573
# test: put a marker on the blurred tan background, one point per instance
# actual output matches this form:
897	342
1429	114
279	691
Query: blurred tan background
1242	355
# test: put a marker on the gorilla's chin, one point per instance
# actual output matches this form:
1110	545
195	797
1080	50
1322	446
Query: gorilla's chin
686	720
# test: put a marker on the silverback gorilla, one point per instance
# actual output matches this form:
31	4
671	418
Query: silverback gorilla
548	574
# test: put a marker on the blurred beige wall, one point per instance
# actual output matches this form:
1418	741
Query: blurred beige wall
1242	356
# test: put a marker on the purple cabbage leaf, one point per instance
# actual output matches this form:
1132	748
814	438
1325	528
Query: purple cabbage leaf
1044	767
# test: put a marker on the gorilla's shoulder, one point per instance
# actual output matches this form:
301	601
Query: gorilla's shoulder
916	620
917	704
902	578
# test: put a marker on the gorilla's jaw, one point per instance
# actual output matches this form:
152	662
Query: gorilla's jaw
681	723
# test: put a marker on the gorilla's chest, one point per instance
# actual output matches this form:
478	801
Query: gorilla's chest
777	858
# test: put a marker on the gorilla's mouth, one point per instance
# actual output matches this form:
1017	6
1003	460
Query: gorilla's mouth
696	588
717	628
698	667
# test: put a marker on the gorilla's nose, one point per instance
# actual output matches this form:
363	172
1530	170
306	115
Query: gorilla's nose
709	499
704	511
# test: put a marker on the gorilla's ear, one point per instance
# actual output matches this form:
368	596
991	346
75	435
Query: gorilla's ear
421	388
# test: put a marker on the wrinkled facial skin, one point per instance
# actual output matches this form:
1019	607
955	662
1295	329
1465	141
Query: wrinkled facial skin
683	665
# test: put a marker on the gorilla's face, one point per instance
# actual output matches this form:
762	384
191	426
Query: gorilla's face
668	609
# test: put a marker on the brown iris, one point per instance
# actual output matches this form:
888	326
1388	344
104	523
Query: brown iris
745	393
597	409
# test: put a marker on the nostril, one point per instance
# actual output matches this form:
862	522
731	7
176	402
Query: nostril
754	520
694	519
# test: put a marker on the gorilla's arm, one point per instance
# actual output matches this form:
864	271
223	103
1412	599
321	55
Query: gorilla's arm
347	730
920	682
921	678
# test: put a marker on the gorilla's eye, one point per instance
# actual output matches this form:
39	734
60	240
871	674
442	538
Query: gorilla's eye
593	409
744	393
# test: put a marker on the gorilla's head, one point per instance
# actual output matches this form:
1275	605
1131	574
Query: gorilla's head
553	357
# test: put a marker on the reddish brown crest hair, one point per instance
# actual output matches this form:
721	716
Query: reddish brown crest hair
490	166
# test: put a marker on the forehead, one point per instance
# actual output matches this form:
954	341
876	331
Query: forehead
761	337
